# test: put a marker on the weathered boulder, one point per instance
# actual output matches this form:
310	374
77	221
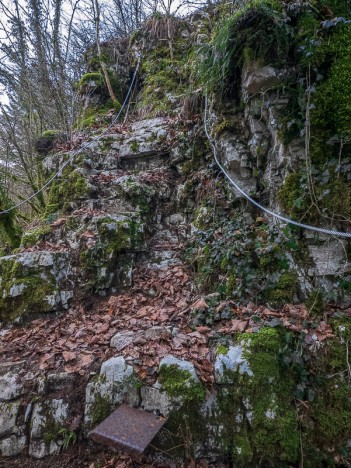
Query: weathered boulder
146	138
237	161
48	421
33	282
177	383
116	370
125	338
109	260
256	79
115	384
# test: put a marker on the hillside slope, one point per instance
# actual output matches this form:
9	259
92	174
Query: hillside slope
149	280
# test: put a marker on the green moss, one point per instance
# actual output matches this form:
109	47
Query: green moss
184	431
242	451
72	223
227	125
140	195
30	238
273	428
33	290
201	217
71	187
51	133
326	424
164	78
102	408
291	194
221	349
285	289
95	77
180	383
10	231
334	93
116	235
98	115
134	146
333	197
257	31
105	143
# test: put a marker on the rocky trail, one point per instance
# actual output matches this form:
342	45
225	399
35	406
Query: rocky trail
156	305
114	261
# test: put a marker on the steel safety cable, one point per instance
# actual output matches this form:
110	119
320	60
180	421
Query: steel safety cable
285	219
82	148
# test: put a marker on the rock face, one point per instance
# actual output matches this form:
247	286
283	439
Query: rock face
252	148
95	248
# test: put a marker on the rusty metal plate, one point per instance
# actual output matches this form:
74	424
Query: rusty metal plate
128	429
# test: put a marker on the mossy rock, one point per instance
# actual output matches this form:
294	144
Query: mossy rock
180	383
98	115
285	290
45	142
95	82
30	238
30	283
139	194
266	433
71	187
101	266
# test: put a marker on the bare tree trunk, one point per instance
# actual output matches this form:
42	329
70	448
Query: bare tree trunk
96	8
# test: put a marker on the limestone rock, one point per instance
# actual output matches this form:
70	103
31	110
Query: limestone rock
233	361
156	400
161	259
125	338
182	365
116	370
10	386
257	79
122	339
149	124
113	386
60	382
8	417
39	449
39	283
12	445
330	258
236	158
145	138
45	414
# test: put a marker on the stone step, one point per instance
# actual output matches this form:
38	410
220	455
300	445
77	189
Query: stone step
160	259
128	429
139	162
